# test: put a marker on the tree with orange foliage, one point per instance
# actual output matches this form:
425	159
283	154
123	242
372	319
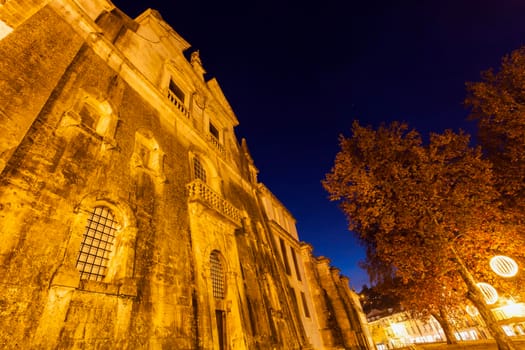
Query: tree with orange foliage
429	211
497	103
440	297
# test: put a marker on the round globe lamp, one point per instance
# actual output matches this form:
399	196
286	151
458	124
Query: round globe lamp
504	266
490	294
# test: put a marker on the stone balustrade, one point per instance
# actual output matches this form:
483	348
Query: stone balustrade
199	191
178	103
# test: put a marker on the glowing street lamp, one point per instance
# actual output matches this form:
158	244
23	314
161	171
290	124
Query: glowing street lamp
504	266
489	292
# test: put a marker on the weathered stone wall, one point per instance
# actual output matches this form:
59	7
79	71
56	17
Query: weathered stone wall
34	58
52	170
84	127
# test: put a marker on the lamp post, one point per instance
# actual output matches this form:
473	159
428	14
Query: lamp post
502	266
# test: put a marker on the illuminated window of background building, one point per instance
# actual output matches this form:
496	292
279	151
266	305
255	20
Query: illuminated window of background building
97	244
217	275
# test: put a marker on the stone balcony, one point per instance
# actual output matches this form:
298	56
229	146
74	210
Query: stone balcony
198	191
178	104
215	143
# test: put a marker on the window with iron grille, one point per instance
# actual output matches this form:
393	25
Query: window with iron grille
97	244
217	275
198	169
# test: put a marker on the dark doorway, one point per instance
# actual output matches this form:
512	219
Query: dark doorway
220	317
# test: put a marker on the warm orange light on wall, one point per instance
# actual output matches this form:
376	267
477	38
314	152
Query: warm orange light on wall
472	310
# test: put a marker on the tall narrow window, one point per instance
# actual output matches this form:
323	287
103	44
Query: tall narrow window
97	244
220	318
294	298
214	131
175	90
294	257
217	275
285	257
305	305
198	169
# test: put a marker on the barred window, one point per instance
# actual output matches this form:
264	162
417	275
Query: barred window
198	169
97	244
217	275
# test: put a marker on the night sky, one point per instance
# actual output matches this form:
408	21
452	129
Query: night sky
298	73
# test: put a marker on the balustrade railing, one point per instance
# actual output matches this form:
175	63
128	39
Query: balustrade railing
213	140
178	103
198	190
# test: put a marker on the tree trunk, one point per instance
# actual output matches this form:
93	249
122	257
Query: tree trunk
474	294
445	325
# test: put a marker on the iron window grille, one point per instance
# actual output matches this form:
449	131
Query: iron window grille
217	276
97	244
198	169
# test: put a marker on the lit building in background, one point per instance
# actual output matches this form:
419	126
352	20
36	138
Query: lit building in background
395	329
131	217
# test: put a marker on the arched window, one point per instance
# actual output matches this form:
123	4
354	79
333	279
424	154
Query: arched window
97	116
97	244
198	170
93	117
217	275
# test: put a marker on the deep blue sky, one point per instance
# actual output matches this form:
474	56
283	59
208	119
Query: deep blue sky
298	73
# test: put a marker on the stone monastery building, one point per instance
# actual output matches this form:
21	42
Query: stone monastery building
130	215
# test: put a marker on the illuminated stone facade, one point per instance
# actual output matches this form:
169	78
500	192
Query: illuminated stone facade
130	215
